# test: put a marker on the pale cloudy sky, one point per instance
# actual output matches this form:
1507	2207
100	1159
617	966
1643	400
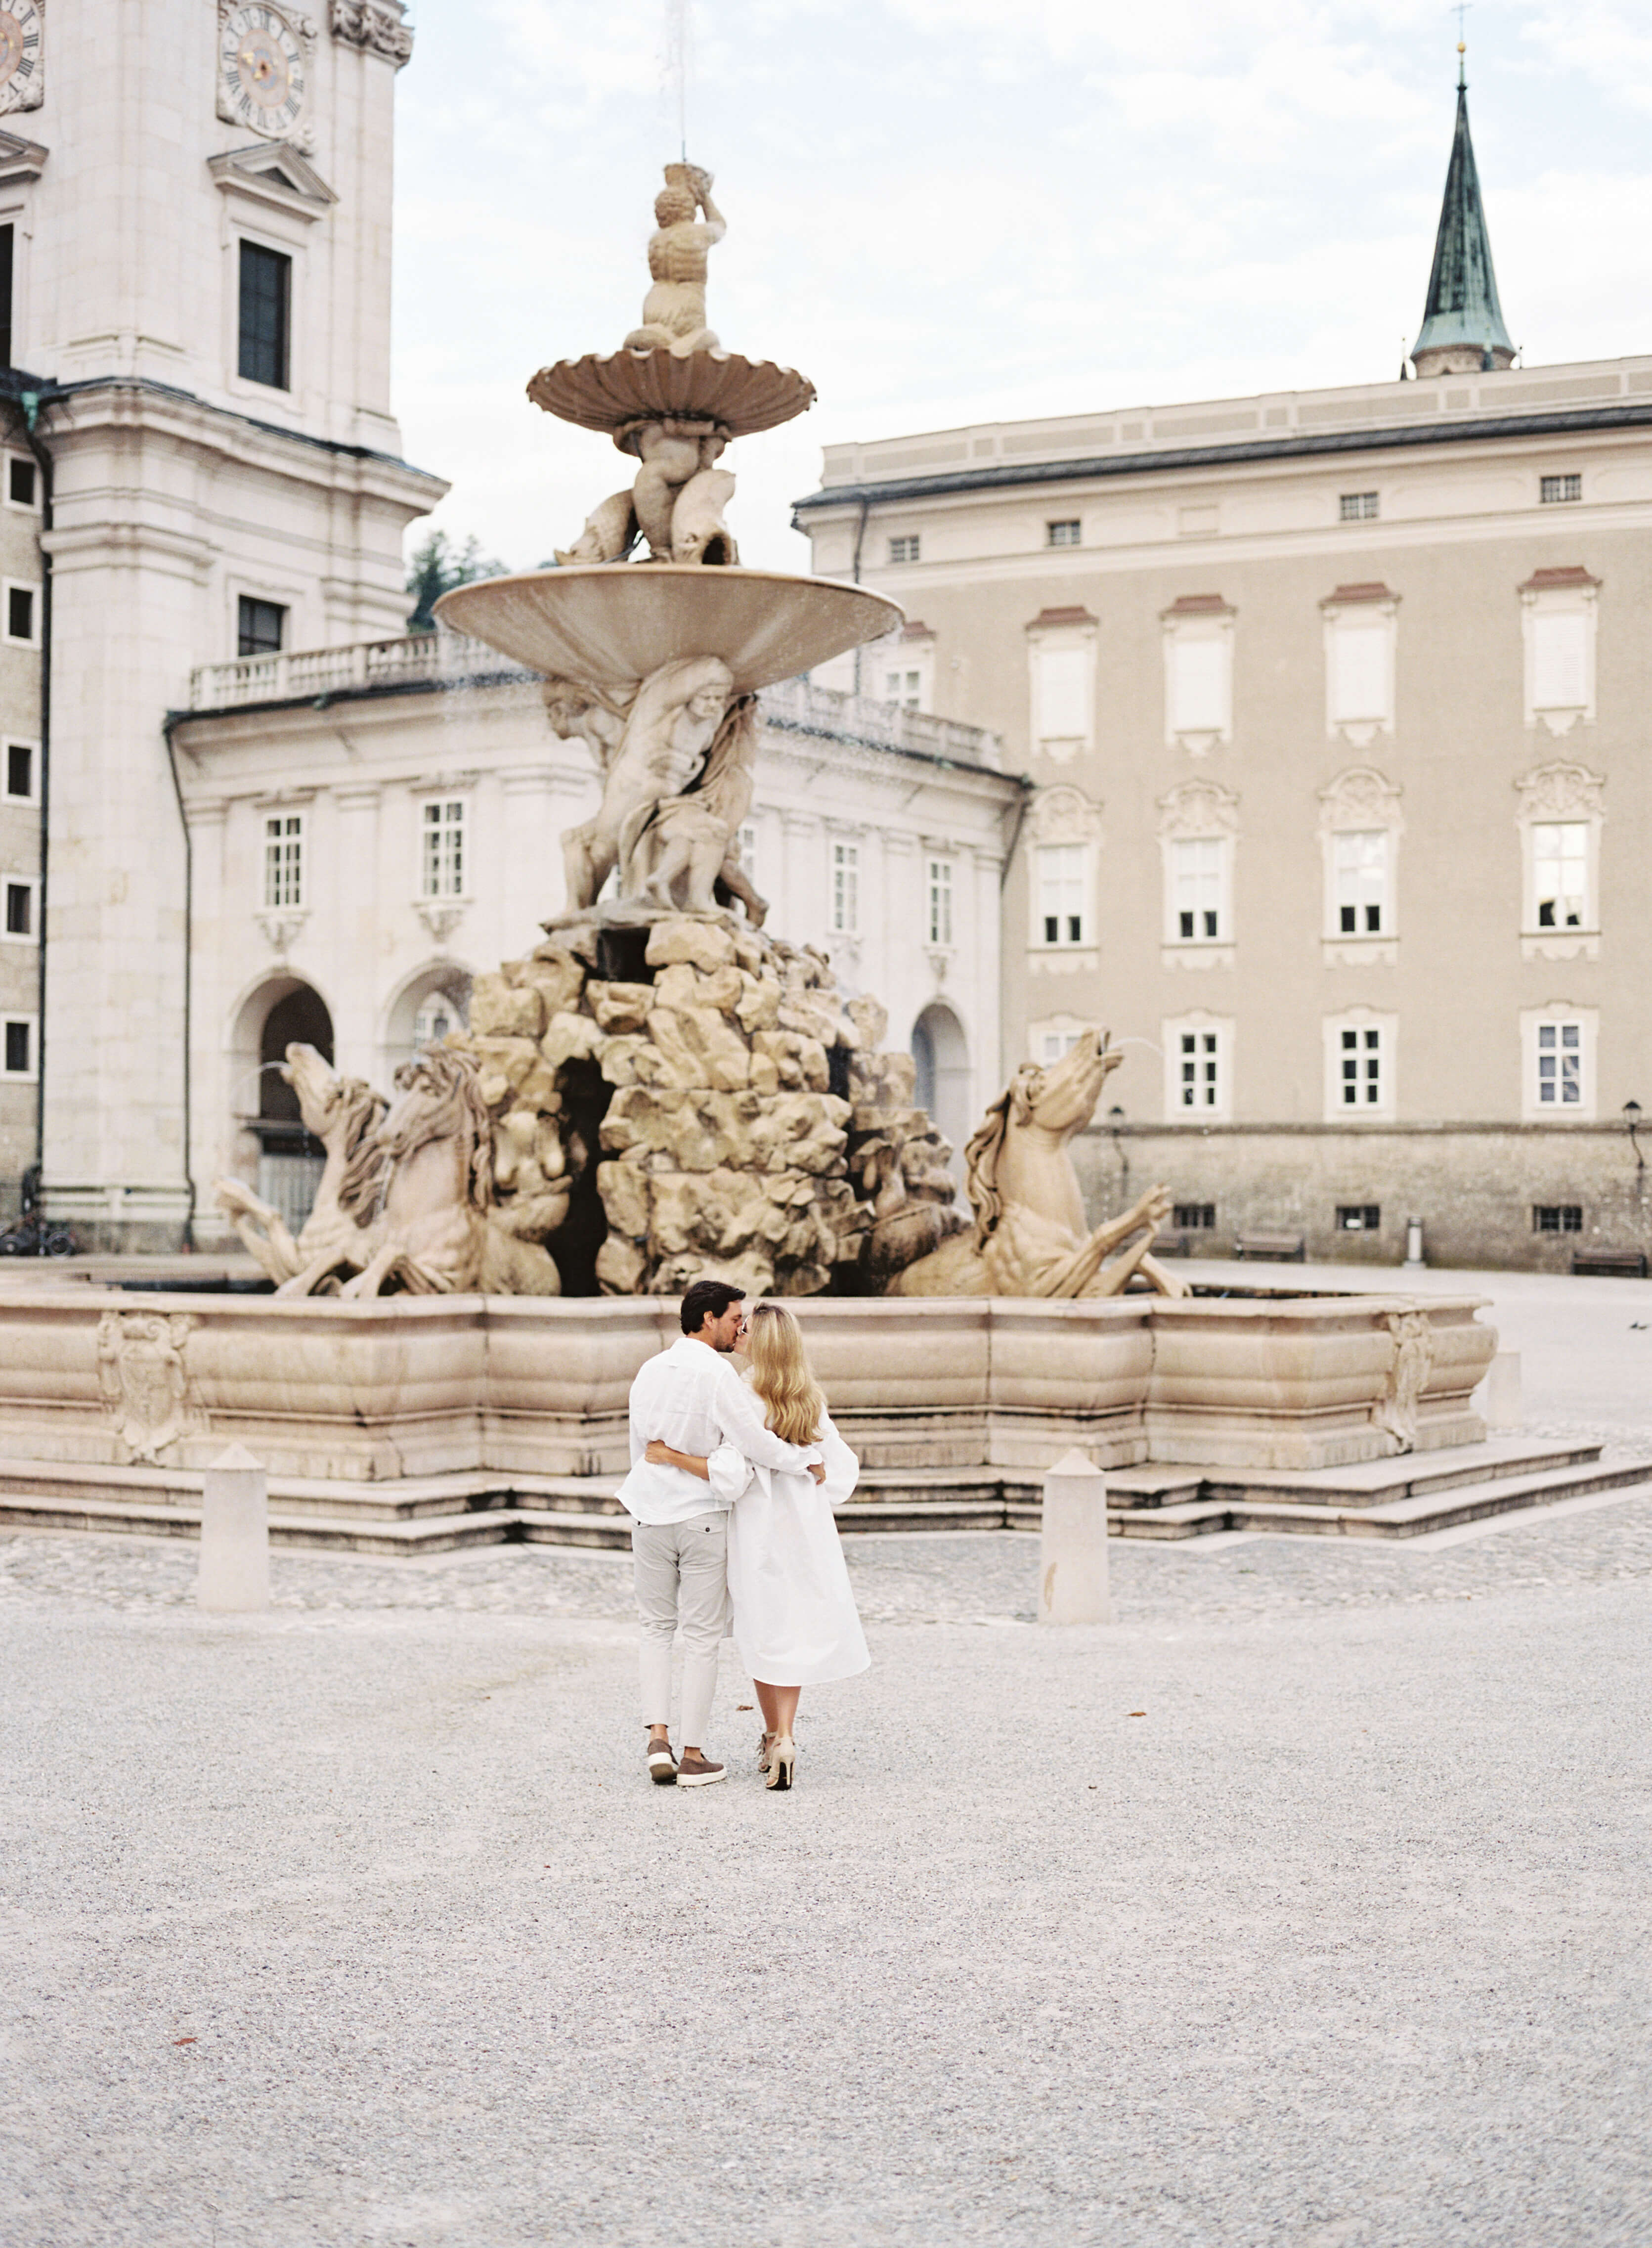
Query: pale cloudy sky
953	210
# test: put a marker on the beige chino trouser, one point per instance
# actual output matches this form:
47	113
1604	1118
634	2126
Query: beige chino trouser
681	1572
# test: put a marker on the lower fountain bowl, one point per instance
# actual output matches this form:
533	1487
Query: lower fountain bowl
610	624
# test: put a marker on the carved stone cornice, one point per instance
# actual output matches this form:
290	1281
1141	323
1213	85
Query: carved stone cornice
1199	807
375	26
1560	791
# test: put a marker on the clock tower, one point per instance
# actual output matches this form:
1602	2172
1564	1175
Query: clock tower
200	226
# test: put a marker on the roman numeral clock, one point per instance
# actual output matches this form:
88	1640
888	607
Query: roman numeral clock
263	60
21	78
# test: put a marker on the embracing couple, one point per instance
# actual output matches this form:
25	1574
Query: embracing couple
731	1493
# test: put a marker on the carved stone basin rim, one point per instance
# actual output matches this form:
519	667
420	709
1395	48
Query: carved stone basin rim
609	624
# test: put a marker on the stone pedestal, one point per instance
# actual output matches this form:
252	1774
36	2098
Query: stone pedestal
1073	1545
235	1535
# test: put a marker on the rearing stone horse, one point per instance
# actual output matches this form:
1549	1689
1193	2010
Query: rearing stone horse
1029	1237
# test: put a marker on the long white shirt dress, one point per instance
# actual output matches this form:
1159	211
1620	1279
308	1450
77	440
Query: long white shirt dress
795	1620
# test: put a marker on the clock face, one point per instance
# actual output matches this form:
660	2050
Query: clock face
19	52
260	69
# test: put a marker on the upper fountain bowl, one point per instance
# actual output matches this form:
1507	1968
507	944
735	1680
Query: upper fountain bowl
615	390
609	624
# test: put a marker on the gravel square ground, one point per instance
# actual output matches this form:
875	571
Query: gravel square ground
1306	1904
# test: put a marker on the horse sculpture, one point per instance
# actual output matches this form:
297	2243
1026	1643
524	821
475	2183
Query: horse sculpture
406	1199
1029	1237
342	1112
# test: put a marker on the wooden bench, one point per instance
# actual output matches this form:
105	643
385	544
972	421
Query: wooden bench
1629	1263
1170	1244
1285	1248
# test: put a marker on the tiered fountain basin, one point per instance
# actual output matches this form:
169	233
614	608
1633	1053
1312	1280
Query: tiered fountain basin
384	1389
416	1425
609	624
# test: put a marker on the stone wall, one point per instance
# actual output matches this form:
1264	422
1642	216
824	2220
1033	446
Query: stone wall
1473	1186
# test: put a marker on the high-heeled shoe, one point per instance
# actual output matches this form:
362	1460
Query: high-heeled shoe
783	1756
765	1746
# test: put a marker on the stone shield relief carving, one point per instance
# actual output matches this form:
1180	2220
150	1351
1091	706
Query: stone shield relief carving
146	1389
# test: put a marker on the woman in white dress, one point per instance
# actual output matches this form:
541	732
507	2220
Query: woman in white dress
795	1620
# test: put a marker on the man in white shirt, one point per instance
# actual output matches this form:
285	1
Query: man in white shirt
690	1398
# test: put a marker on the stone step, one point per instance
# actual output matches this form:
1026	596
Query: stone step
1370	1482
1439	1508
449	1514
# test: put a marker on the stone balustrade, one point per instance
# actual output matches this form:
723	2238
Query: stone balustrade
443	657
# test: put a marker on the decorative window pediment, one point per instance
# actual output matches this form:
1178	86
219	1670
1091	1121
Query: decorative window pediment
275	173
1199	807
20	160
1064	815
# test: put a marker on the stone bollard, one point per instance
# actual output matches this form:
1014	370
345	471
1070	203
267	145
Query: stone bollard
1503	1406
1072	1546
235	1535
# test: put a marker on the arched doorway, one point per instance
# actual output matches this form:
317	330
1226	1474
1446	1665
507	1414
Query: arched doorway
432	1002
941	1053
290	1162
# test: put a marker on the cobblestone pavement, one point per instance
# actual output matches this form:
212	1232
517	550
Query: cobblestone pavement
983	1577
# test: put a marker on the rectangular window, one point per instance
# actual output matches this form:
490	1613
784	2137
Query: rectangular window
1559	1065
1361	1083
20	1047
1058	1044
266	302
19	908
748	846
1556	490
1063	682
20	614
905	550
260	626
1361	865
1358	507
441	869
283	860
1360	683
1560	873
7	237
845	888
1065	533
1061	874
1559	660
1199	1084
1194	1217
20	770
23	481
1557	1217
1199	685
905	688
1195	874
939	920
1359	1217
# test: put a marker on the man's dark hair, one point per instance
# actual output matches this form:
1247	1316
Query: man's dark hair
708	1299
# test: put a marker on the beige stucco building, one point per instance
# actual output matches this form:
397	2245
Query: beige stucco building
1336	705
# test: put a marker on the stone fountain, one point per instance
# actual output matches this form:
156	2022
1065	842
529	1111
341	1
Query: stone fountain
665	1086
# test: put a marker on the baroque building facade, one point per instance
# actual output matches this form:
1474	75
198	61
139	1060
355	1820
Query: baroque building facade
1335	704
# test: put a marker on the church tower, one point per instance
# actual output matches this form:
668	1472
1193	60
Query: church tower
1462	331
200	284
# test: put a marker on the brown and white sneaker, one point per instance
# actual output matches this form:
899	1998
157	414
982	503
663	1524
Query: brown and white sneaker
662	1765
699	1772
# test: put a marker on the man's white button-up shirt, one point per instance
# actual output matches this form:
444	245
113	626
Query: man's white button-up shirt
691	1398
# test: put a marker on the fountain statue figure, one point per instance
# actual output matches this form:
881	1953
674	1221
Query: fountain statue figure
1030	1237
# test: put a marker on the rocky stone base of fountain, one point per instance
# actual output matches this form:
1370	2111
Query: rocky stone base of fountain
708	1101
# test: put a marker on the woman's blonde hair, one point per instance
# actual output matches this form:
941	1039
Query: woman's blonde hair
794	1401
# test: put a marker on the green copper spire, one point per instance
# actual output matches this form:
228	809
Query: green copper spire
1463	329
